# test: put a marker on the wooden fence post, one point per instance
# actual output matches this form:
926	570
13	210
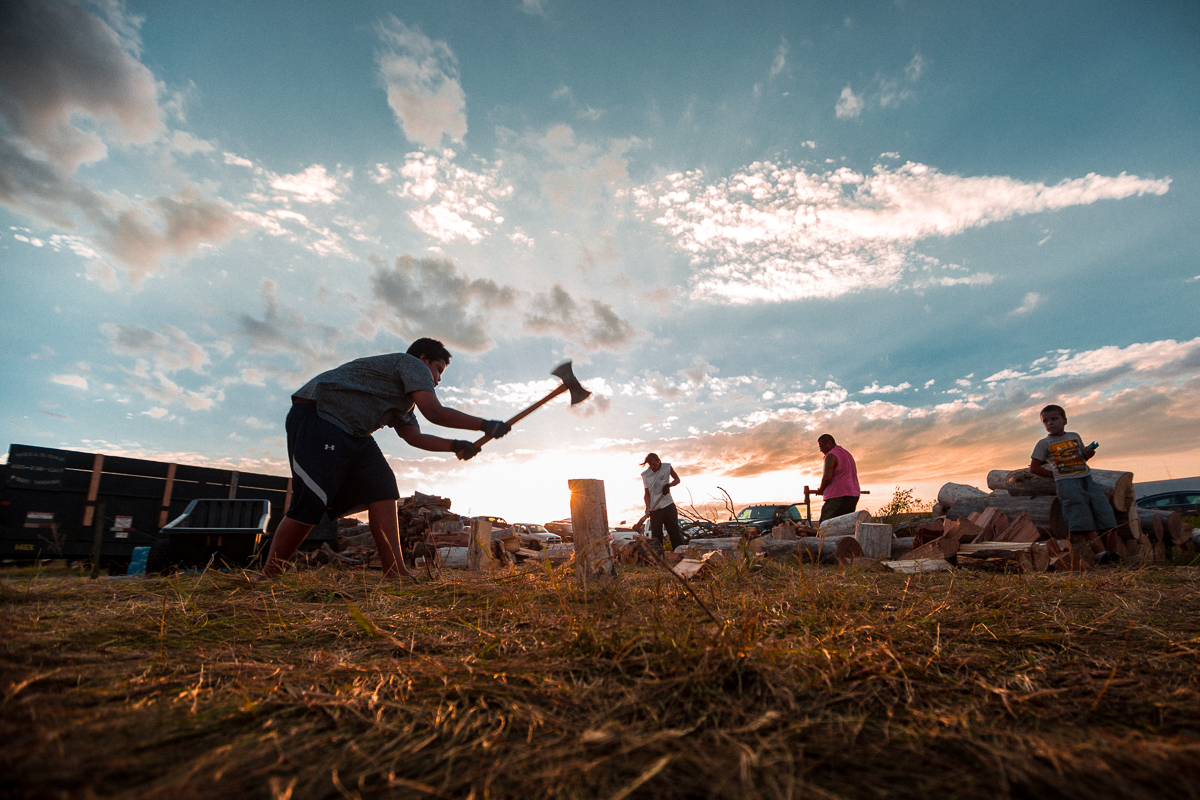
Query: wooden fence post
589	520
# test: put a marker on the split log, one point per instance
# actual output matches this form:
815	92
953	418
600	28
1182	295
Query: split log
952	493
844	525
1044	511
785	530
943	548
918	567
810	549
452	557
729	545
875	540
1020	529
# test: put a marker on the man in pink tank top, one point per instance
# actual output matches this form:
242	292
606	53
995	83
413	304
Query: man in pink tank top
839	484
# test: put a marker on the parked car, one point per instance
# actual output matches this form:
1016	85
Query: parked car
563	528
622	536
497	522
759	519
530	533
1186	503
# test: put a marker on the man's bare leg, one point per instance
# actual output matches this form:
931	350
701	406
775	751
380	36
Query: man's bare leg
381	516
284	544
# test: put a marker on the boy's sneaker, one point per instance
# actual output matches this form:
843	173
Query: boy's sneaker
1108	558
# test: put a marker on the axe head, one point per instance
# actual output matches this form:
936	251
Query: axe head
567	376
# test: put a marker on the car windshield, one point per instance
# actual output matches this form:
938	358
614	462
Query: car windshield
536	529
756	513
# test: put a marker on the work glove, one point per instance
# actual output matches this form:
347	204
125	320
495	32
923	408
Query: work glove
495	428
464	450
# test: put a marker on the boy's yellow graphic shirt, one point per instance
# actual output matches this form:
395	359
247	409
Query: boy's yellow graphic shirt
1068	458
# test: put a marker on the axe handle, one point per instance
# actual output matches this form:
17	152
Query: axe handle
562	387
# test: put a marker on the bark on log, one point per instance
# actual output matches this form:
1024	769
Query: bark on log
589	520
844	525
901	546
952	493
1044	511
810	549
875	539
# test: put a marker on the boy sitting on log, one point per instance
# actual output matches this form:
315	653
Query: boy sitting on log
1083	502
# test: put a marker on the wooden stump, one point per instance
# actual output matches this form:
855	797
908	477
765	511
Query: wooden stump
589	520
875	540
810	549
479	551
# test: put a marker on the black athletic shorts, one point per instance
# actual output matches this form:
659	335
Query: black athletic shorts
333	472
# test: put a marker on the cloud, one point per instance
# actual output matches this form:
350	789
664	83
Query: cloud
773	233
69	83
537	7
169	351
421	79
58	62
74	381
313	185
286	332
591	324
849	105
875	388
456	202
1028	304
428	297
780	61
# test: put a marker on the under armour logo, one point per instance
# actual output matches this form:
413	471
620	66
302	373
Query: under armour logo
329	447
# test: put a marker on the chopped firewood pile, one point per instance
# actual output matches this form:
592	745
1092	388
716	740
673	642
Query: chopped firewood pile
1016	526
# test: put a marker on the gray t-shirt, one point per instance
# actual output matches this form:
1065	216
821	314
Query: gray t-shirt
370	393
1063	455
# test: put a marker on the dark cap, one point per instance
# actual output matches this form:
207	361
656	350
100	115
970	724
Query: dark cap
650	456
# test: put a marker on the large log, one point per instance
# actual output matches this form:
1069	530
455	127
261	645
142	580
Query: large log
728	545
875	540
952	493
810	549
1044	511
844	525
1117	485
479	550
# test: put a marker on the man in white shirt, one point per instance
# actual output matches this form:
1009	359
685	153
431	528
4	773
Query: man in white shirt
658	480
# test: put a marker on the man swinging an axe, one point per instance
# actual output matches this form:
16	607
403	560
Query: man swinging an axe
338	469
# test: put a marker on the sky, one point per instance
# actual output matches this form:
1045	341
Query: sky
906	224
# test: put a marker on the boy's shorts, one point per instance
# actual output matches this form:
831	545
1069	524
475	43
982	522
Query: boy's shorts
333	472
1084	505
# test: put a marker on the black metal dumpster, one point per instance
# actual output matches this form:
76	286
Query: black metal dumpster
220	532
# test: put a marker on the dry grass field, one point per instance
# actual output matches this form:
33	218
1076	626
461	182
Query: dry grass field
817	682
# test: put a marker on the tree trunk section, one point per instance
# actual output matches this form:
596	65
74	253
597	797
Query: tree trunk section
875	540
844	525
810	549
952	493
479	550
589	520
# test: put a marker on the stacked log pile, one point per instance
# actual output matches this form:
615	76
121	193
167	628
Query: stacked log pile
1140	535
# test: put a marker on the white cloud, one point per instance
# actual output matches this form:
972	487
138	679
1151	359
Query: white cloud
74	381
1031	301
875	388
423	90
849	105
776	233
313	185
170	351
780	62
537	7
456	203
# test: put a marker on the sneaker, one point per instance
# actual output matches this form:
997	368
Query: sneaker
1108	558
